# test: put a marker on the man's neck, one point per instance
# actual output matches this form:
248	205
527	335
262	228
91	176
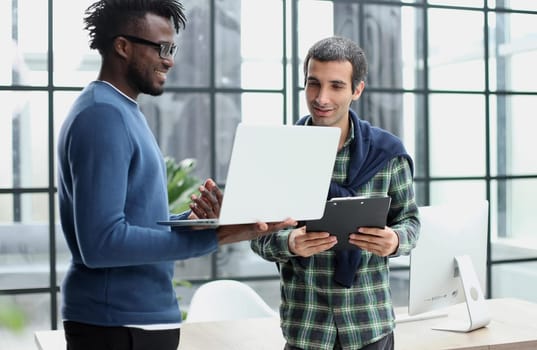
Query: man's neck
113	73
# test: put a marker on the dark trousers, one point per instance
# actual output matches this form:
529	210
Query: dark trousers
81	336
386	343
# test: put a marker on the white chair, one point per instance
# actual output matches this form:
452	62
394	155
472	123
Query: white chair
226	300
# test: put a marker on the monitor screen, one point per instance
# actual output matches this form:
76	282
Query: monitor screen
448	231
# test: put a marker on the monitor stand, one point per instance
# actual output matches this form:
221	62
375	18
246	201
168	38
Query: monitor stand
475	302
405	317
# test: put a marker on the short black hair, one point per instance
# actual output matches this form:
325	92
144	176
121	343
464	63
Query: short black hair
337	48
107	18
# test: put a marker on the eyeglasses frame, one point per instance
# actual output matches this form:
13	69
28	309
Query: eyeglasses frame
164	47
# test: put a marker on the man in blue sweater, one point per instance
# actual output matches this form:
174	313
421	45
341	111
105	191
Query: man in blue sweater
118	291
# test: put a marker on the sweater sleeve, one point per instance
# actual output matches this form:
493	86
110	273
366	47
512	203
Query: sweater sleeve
99	151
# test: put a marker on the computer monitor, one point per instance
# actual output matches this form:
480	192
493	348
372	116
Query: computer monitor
448	265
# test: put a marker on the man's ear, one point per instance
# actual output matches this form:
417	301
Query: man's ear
358	91
122	47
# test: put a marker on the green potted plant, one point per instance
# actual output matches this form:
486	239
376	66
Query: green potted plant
181	183
12	317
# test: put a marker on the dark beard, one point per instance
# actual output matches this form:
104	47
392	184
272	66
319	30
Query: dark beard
142	85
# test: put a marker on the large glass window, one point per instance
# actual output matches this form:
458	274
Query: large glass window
74	63
455	56
457	135
24	39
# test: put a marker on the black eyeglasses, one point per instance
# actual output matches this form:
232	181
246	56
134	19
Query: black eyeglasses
166	49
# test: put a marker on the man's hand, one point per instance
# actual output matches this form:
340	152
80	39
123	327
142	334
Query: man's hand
310	243
382	242
208	203
235	233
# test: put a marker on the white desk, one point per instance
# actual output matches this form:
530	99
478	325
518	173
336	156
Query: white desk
50	340
258	334
513	326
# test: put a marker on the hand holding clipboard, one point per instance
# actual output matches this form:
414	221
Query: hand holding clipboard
343	216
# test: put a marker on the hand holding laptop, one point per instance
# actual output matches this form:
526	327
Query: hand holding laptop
207	206
245	232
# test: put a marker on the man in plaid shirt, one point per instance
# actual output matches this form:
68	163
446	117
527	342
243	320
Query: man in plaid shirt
342	300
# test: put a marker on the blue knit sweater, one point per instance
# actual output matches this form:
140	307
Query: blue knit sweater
112	190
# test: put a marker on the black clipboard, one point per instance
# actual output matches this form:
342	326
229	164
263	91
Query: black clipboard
343	216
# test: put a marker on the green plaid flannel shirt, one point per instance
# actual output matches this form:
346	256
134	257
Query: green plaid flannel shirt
314	309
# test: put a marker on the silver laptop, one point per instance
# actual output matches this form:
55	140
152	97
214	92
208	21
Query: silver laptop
275	172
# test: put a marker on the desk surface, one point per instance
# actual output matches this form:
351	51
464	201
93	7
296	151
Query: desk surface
513	326
258	333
